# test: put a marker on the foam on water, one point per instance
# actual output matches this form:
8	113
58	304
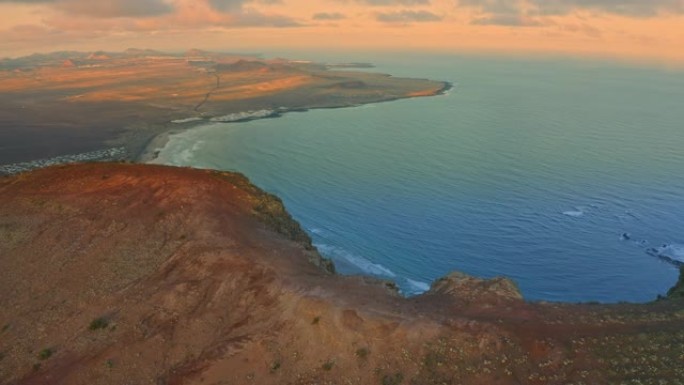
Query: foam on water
672	253
247	115
364	265
417	286
580	211
186	120
187	156
364	106
575	213
450	90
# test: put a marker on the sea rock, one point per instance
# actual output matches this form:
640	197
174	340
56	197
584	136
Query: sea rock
469	288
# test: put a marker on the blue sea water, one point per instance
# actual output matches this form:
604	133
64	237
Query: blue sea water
528	168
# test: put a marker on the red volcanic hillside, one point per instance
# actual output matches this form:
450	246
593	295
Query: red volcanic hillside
137	274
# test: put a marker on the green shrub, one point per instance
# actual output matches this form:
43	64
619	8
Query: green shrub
45	354
362	353
394	379
328	366
98	323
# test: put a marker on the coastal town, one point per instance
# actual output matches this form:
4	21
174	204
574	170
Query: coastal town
104	155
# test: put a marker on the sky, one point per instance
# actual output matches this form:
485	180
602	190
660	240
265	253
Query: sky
635	29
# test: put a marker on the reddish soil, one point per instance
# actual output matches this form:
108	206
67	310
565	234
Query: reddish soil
138	274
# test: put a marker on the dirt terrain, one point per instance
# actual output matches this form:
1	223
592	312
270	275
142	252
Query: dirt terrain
72	102
139	274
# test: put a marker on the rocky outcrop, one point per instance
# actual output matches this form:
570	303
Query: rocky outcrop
467	288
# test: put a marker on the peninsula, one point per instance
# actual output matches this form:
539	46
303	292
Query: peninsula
66	103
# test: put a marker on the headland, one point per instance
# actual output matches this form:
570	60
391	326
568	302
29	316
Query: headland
120	273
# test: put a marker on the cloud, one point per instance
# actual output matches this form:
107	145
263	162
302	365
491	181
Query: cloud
395	2
27	1
583	28
33	35
328	16
119	8
227	5
108	8
241	16
507	20
634	8
158	15
256	19
493	6
520	12
407	16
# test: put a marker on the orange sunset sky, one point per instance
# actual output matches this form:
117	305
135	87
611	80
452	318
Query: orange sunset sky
637	29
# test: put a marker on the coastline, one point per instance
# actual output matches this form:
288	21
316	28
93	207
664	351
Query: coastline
143	97
151	150
122	269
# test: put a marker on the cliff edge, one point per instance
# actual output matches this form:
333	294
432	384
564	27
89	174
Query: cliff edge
118	273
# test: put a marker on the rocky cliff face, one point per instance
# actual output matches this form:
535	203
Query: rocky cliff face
114	273
677	291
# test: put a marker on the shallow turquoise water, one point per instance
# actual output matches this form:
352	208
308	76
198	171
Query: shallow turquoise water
529	168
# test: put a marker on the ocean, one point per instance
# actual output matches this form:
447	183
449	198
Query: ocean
558	173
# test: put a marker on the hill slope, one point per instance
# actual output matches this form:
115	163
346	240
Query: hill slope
115	273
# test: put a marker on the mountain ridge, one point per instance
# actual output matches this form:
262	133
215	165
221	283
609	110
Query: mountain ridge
128	273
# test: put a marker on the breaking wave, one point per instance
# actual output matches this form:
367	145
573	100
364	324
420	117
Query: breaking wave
417	287
673	253
366	266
